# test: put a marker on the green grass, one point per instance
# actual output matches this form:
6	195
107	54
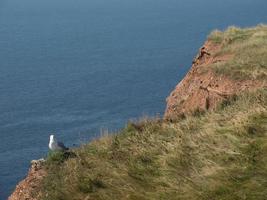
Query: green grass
218	155
248	47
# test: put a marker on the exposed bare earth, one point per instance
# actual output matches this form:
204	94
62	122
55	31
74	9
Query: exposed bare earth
25	189
202	89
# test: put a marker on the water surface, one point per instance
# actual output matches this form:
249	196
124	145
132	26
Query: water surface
73	67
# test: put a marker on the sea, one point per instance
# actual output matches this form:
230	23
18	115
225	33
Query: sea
82	68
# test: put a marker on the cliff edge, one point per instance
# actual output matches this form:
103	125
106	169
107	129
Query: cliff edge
26	189
206	85
212	143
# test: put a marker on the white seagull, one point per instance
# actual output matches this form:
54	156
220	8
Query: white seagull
55	146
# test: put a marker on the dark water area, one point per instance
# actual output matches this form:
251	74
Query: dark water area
74	67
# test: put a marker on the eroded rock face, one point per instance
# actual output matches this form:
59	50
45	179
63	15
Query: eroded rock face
201	88
26	189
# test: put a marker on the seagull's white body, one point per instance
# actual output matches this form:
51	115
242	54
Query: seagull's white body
55	146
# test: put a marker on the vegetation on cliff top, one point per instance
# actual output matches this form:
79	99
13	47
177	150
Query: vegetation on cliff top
216	155
248	48
219	155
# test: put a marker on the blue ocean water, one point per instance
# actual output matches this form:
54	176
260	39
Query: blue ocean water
74	67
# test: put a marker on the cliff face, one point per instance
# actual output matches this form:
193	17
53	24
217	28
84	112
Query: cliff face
26	189
202	89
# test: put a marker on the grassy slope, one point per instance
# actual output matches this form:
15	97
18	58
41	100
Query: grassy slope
216	155
249	47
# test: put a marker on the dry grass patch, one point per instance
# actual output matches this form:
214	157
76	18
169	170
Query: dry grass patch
216	155
249	47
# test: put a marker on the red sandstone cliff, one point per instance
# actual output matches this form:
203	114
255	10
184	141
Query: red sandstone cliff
26	189
201	88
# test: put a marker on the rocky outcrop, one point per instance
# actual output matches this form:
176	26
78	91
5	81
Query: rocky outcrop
202	89
25	189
